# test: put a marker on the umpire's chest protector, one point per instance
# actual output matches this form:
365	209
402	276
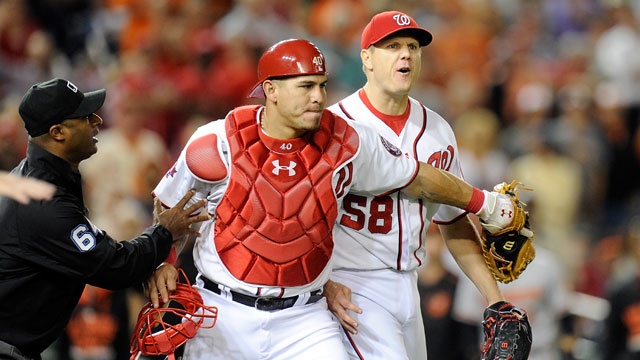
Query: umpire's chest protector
274	223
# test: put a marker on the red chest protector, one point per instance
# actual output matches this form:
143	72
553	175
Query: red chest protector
274	223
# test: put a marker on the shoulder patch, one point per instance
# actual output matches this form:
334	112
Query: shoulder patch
203	159
392	149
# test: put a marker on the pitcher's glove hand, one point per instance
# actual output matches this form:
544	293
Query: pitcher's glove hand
507	333
508	250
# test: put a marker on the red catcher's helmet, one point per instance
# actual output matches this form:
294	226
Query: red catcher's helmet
161	331
291	57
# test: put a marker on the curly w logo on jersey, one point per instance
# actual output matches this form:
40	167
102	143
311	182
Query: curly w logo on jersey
392	149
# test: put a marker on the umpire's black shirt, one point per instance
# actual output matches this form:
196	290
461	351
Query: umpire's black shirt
49	250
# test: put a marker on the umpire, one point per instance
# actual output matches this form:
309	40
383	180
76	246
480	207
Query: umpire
49	249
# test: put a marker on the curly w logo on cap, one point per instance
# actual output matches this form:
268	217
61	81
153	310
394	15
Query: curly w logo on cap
390	22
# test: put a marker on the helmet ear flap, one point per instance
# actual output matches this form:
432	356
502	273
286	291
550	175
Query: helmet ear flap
161	331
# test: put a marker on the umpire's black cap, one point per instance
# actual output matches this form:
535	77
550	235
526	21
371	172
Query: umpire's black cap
50	102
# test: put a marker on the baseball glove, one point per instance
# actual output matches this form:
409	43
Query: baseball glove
507	333
509	250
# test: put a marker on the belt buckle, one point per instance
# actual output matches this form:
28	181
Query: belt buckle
266	303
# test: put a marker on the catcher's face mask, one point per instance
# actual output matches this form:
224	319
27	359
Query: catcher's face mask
161	331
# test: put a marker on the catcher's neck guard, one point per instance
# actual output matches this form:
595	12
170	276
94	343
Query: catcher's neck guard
161	331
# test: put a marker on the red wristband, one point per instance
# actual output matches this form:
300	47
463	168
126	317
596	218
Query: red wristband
172	257
476	202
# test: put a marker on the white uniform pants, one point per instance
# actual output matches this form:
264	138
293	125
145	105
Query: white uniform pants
390	326
245	333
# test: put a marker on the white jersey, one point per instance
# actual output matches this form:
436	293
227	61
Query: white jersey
376	168
389	231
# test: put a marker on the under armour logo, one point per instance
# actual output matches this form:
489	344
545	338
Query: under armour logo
504	213
402	19
278	167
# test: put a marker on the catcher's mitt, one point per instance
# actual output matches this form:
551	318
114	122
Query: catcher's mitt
507	333
508	251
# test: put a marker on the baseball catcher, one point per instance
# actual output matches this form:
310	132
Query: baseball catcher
508	251
507	333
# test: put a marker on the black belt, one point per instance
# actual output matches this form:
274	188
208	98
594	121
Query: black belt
262	303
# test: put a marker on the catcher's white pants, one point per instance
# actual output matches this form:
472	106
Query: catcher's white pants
390	326
245	333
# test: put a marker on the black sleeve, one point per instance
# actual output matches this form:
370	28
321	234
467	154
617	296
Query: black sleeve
57	236
614	334
133	261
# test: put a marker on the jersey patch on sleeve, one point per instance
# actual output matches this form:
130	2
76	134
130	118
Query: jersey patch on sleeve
392	149
204	160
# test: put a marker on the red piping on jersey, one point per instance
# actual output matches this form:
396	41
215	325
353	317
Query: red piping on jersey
425	119
345	111
399	209
415	252
353	344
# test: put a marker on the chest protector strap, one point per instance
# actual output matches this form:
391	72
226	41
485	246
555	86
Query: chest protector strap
274	223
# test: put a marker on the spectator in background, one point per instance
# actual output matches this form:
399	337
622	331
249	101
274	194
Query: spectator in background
458	61
484	163
619	126
533	111
337	24
13	140
68	22
27	51
98	328
555	201
579	137
621	335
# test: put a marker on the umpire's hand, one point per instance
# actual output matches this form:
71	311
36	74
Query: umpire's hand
177	219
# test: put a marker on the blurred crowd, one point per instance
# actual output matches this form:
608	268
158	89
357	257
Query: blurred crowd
543	91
